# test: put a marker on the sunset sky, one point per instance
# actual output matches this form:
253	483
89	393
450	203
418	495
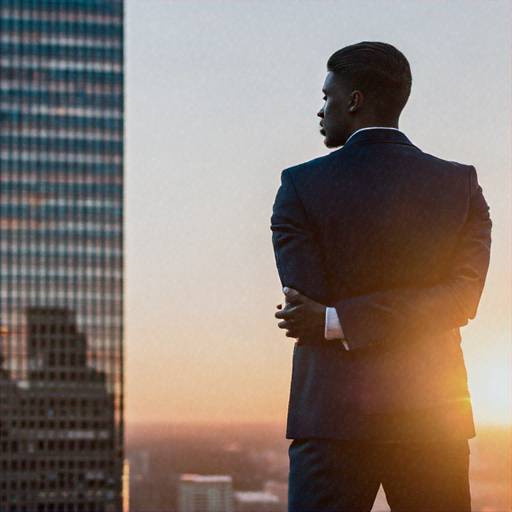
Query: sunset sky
220	98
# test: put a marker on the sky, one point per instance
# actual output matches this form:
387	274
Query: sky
221	96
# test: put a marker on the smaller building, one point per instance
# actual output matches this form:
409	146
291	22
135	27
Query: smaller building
205	493
279	489
260	501
57	425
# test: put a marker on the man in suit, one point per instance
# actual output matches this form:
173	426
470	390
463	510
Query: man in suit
382	251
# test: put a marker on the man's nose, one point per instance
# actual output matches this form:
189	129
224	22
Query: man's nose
320	113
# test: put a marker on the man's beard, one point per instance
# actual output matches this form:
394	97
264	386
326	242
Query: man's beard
331	144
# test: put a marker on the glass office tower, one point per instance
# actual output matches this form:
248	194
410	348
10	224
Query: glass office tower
61	225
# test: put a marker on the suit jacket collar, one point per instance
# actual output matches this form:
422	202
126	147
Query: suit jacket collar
379	135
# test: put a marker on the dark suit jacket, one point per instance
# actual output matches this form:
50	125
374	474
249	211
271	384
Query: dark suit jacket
398	241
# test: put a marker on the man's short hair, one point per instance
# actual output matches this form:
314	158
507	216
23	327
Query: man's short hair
379	70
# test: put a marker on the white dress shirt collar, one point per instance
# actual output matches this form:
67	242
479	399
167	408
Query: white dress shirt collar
373	128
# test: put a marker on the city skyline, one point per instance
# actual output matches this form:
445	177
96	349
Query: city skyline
221	97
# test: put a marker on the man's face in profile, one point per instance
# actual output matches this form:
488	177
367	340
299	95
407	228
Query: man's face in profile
335	121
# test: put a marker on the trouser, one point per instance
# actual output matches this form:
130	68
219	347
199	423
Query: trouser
333	475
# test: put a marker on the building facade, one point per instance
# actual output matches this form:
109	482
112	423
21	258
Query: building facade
61	161
205	493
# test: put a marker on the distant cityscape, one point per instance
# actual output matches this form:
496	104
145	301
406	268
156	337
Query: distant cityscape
208	468
178	468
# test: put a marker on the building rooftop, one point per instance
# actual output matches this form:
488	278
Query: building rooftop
206	478
255	497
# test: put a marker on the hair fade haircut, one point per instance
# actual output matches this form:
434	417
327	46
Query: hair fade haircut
379	70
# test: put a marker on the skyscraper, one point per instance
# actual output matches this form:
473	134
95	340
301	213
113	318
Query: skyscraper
61	100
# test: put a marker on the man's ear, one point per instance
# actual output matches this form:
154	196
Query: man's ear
355	101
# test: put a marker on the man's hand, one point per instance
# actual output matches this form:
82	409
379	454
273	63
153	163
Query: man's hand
302	317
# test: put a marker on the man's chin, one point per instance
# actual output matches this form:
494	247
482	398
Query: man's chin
332	144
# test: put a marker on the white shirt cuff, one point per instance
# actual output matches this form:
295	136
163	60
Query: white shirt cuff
333	330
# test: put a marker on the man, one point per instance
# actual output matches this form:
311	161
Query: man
382	251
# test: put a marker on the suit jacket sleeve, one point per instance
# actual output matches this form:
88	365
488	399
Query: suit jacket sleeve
299	257
401	314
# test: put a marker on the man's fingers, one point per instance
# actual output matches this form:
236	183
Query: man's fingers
281	314
291	311
285	313
285	324
291	331
290	317
279	306
292	296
